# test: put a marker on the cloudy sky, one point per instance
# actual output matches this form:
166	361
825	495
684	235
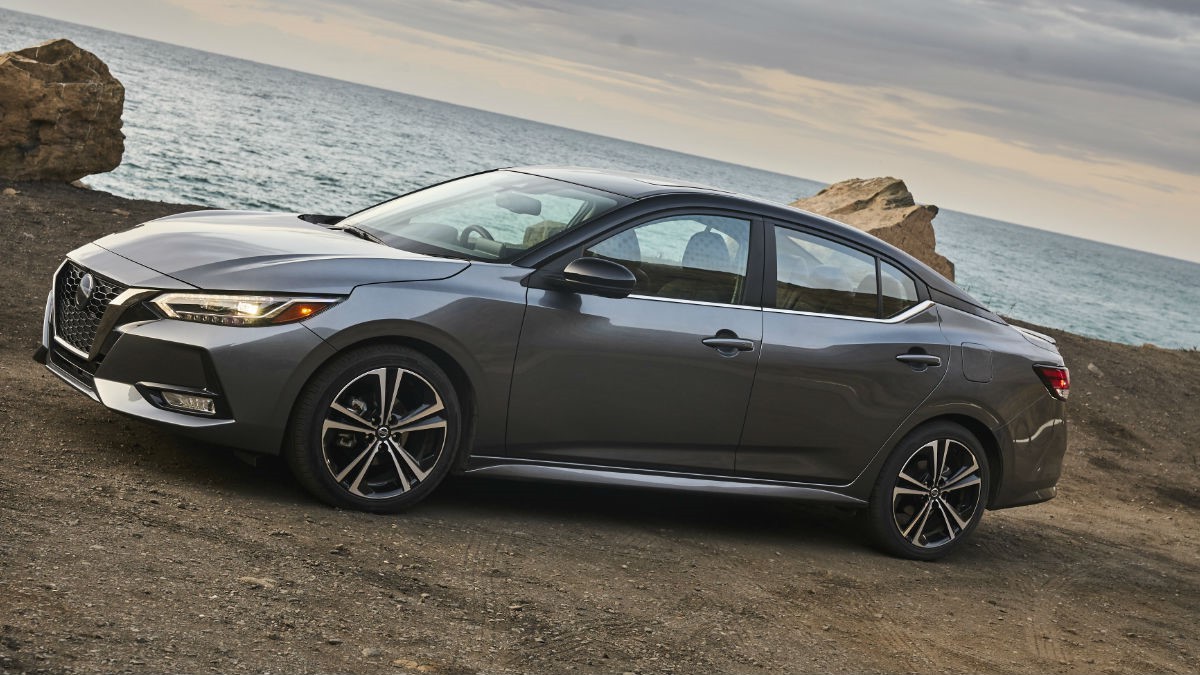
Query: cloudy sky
1081	117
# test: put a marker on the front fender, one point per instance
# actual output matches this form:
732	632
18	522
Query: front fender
474	318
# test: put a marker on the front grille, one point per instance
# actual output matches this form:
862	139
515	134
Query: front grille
74	321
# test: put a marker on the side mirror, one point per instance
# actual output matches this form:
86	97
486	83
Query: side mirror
597	276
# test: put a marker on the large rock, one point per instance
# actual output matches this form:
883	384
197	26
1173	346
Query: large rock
885	208
60	114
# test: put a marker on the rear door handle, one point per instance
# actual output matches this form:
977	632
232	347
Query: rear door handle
729	345
920	359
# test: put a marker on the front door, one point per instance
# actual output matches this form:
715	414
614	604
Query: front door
631	382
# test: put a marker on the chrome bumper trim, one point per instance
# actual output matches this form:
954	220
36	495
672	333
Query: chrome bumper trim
67	346
62	375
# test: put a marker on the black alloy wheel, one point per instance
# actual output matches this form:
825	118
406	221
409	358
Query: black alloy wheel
931	493
376	429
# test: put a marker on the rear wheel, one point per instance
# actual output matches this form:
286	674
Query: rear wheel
376	429
930	494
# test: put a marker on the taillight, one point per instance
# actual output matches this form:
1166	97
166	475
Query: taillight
1057	379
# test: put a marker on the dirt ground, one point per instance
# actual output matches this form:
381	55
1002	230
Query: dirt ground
123	548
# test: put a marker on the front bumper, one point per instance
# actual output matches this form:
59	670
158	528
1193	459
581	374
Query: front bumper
253	374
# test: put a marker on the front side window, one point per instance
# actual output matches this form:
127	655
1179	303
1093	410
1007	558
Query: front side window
692	257
494	216
823	277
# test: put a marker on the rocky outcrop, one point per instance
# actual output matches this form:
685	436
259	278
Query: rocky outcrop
885	208
60	114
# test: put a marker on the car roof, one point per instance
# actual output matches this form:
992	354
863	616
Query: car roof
641	186
624	183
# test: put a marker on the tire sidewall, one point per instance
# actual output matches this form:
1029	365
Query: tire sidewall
880	511
306	455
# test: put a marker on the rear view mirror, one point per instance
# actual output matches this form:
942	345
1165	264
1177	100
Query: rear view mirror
519	203
597	276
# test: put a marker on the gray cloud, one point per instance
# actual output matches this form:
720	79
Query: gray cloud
1045	73
1187	7
1104	44
1102	78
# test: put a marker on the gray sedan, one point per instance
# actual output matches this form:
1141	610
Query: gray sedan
572	325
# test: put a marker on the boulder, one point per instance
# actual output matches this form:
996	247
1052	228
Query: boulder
60	114
885	208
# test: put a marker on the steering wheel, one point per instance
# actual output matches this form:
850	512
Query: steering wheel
464	238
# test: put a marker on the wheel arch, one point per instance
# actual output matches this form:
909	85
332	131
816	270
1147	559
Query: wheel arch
974	419
441	349
987	438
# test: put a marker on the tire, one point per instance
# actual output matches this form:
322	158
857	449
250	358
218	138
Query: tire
930	494
343	451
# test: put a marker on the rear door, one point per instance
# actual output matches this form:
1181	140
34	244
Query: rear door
830	387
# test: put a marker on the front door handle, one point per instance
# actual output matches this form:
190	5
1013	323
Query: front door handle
728	346
920	359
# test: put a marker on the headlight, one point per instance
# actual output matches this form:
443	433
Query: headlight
240	310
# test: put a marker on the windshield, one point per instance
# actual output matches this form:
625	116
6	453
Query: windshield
494	216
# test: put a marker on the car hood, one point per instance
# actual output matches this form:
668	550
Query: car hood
253	251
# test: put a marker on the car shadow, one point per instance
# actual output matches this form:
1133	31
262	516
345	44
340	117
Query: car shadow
490	503
686	514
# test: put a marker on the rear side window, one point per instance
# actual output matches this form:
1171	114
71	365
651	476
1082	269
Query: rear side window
820	276
824	277
897	289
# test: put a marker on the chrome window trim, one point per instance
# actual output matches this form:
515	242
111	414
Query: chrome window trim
901	317
692	302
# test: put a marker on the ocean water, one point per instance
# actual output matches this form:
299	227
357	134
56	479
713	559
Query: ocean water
208	129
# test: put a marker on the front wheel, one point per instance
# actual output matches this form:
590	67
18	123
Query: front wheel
376	429
930	494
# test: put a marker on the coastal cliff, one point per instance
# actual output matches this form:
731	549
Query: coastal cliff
885	208
60	114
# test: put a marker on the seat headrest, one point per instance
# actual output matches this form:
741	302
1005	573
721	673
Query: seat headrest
793	270
831	278
707	250
892	288
867	285
623	246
